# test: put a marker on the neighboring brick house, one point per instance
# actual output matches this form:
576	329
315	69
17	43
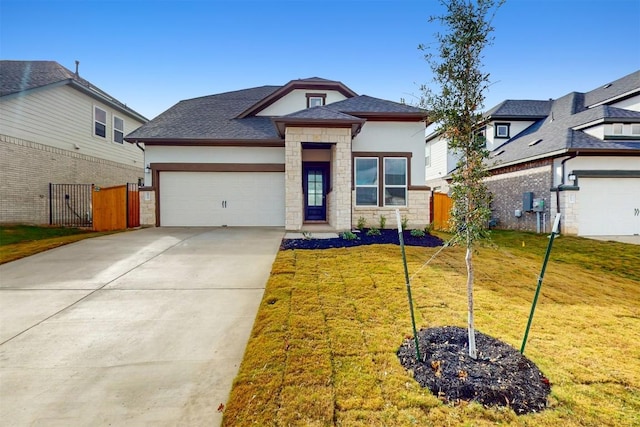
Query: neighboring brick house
306	153
579	155
56	127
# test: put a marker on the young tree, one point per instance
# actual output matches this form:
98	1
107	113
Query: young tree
456	107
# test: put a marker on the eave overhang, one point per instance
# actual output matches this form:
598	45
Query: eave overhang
281	123
205	142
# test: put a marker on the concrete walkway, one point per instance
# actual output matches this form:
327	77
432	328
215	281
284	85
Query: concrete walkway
146	327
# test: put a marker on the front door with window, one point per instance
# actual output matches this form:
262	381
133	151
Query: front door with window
315	190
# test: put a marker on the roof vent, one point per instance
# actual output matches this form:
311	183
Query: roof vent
537	141
498	153
77	67
606	86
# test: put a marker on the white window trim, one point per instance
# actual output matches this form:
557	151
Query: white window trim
95	120
117	130
406	180
376	186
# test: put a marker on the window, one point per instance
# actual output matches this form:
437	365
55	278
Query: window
316	99
617	129
118	129
100	122
427	158
366	180
502	130
395	181
635	129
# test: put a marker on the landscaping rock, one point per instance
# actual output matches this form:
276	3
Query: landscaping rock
500	376
386	236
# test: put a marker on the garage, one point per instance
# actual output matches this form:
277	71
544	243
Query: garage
609	206
222	199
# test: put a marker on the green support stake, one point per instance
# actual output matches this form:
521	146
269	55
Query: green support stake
408	282
544	267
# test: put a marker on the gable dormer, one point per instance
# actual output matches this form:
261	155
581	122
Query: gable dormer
298	95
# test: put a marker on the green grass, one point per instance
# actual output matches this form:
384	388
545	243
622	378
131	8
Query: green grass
322	349
19	241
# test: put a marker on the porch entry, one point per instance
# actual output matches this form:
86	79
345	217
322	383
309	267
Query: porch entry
315	177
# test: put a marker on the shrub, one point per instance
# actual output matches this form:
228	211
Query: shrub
416	232
404	222
348	235
373	232
362	223
383	221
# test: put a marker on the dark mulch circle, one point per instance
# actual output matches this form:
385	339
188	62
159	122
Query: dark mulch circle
501	376
386	236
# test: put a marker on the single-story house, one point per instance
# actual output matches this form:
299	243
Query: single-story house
57	127
309	152
578	155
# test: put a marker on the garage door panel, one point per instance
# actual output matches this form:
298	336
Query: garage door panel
221	198
607	206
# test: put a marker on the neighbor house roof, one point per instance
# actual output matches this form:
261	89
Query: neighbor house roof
231	116
562	132
22	76
521	109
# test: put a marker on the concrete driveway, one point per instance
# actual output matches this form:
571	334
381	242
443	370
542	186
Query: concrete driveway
146	327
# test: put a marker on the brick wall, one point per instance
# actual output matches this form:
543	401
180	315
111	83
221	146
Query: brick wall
508	188
27	168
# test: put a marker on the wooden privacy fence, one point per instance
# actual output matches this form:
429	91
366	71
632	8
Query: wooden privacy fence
441	205
116	208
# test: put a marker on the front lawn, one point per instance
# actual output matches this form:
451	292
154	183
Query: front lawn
19	241
323	347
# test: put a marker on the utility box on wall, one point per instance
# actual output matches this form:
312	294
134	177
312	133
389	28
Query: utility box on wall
538	205
527	201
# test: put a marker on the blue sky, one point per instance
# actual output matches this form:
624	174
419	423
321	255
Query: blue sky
152	54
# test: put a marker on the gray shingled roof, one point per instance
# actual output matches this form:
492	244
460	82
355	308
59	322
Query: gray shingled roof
369	104
19	76
520	108
559	134
614	89
320	113
214	117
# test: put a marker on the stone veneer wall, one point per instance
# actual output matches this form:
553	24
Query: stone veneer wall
508	188
27	168
417	212
339	205
147	207
569	207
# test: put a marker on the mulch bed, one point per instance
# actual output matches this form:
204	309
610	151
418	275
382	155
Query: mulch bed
500	376
386	236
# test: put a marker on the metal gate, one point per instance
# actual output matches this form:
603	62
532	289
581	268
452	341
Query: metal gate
70	205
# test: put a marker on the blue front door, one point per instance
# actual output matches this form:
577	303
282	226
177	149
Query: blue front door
315	190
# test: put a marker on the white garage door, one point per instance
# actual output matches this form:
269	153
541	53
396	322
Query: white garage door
222	198
609	206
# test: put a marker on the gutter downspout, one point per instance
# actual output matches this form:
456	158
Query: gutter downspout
559	187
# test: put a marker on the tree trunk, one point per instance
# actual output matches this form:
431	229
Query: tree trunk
472	335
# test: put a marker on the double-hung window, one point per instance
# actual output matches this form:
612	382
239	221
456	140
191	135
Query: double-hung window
366	181
99	122
118	129
395	181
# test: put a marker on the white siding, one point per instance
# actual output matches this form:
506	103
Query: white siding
632	103
296	100
515	128
395	137
62	117
596	131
